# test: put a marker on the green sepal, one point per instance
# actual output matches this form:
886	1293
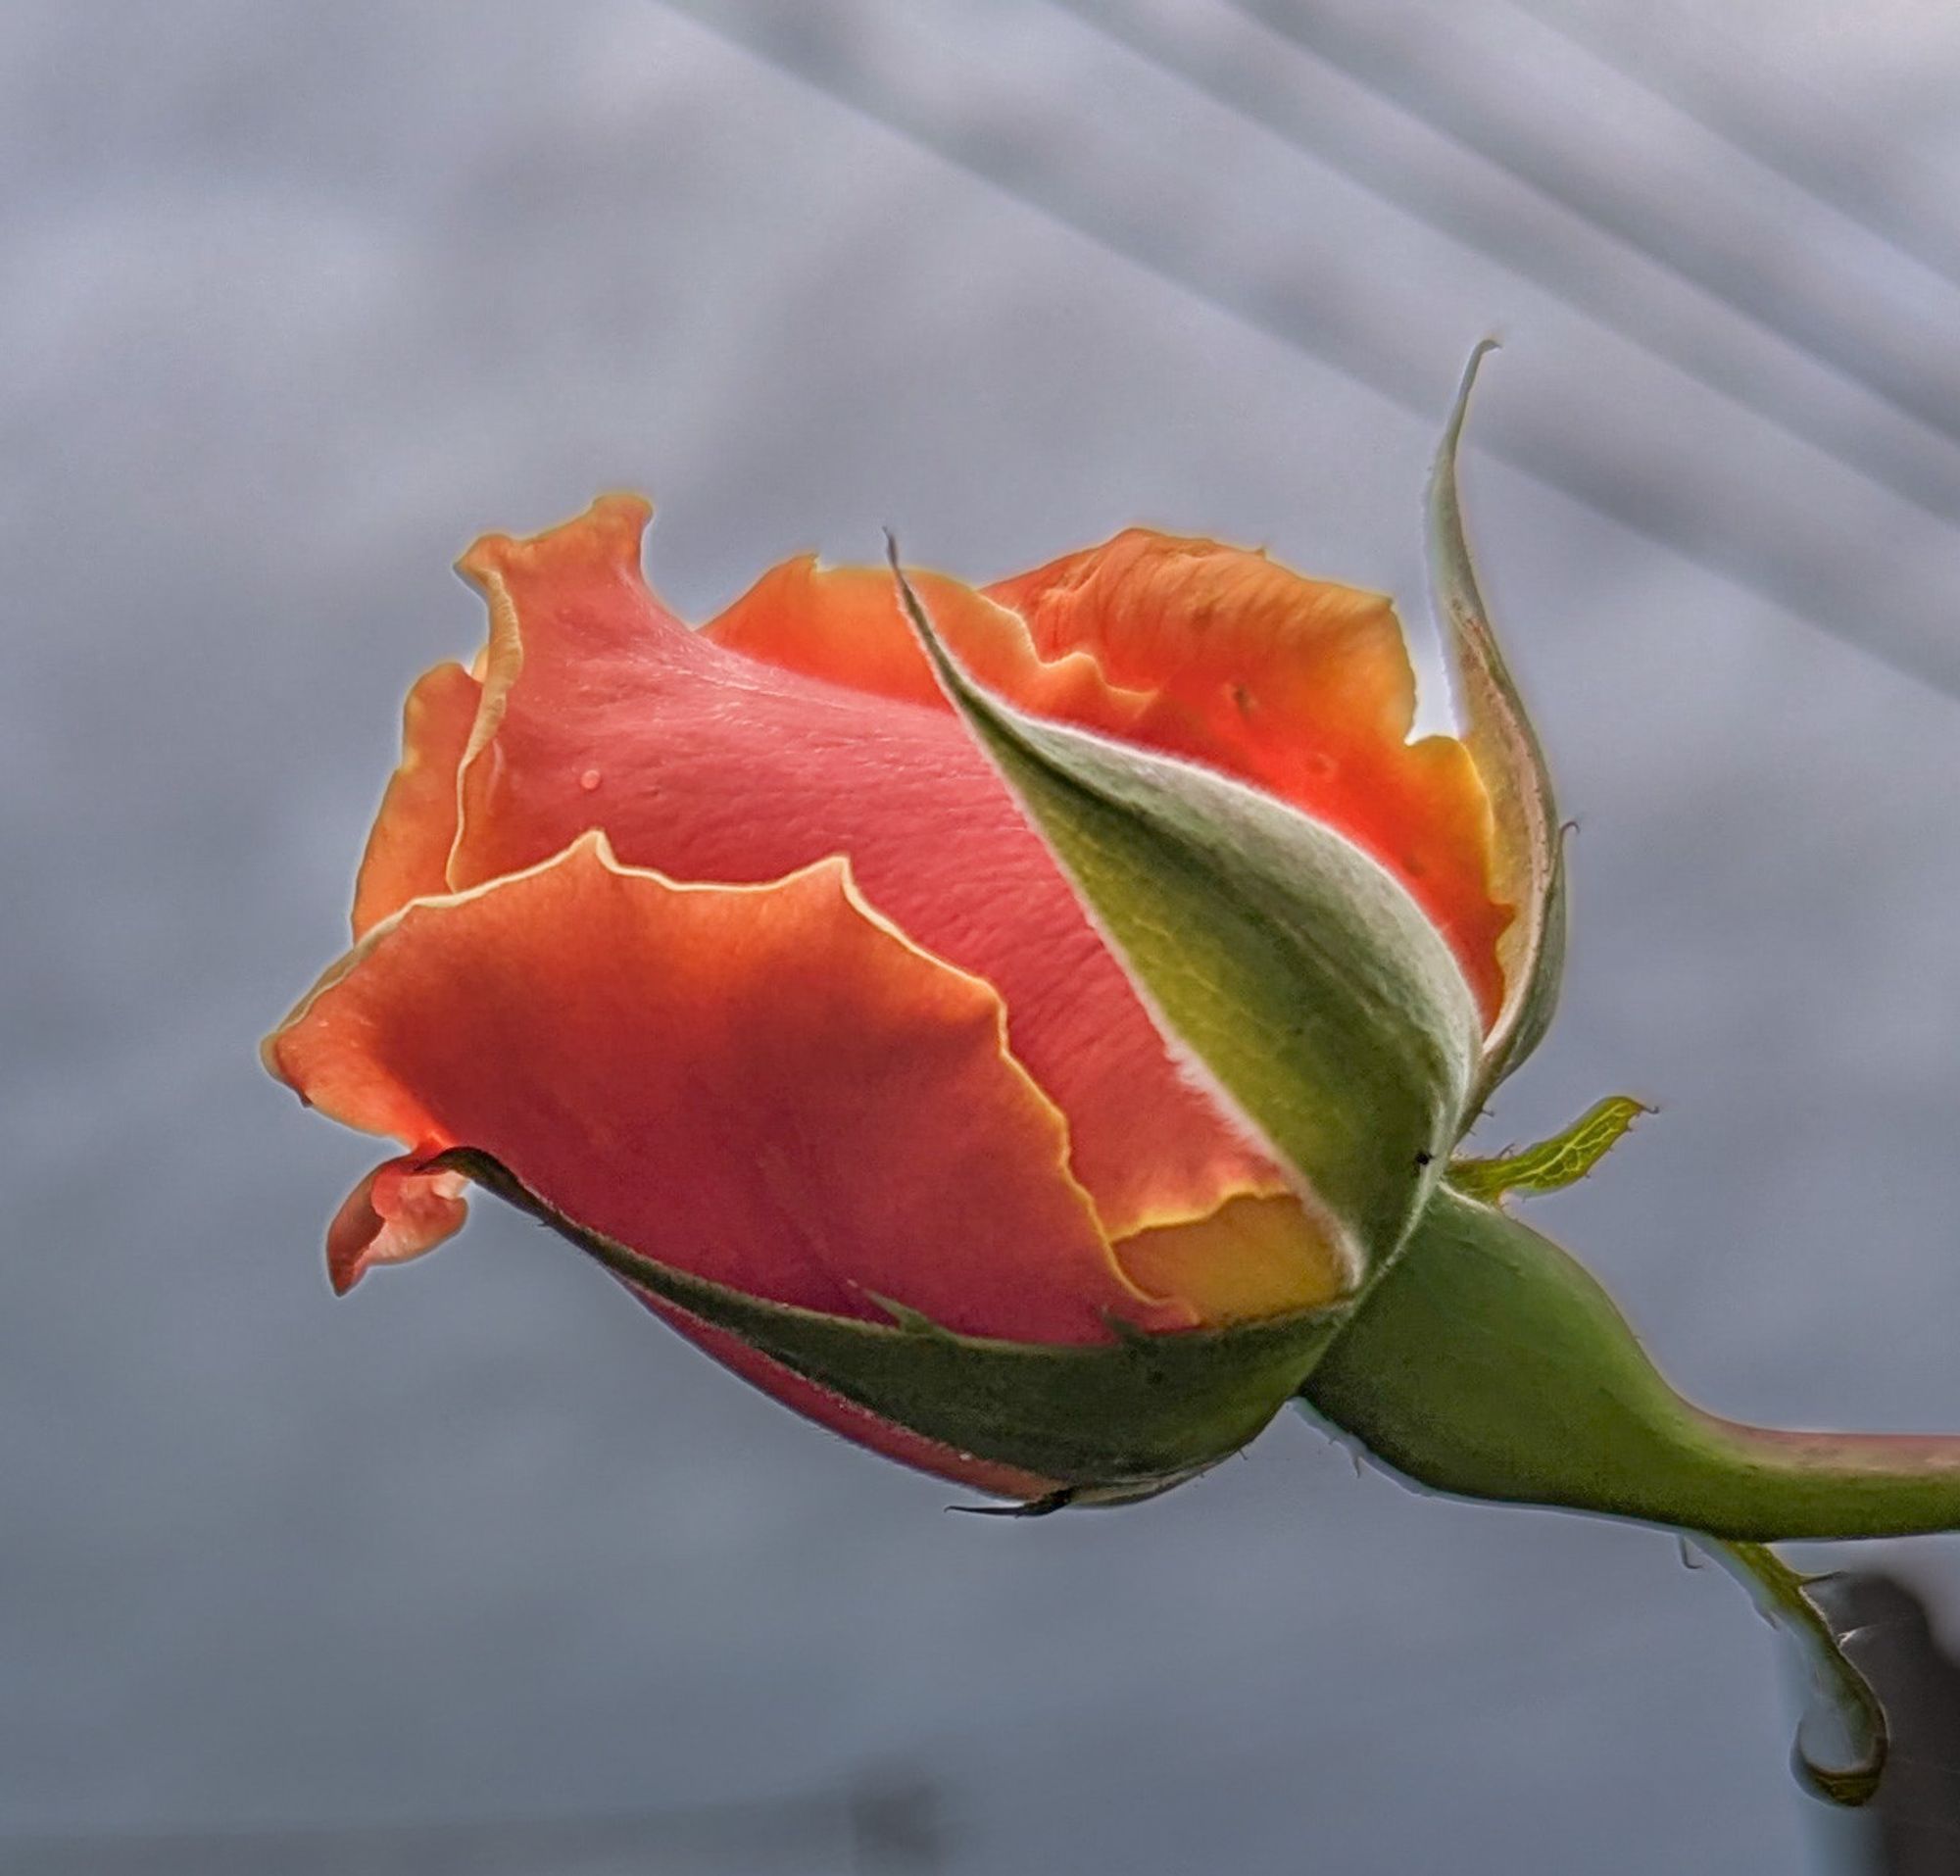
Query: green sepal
1488	1363
1551	1165
1113	1418
1309	986
1529	873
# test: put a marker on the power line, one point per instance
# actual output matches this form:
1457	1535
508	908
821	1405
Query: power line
1659	510
1766	136
1594	192
1381	172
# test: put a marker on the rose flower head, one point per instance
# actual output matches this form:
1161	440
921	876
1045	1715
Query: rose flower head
1028	1028
1012	1025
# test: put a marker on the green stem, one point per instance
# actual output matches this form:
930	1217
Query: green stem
1488	1363
1842	1484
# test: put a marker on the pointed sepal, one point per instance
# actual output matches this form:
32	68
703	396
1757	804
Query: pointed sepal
1106	1421
1528	859
1309	986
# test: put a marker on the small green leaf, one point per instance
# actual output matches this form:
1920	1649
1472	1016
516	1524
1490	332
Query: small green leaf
1108	1420
1530	867
1307	983
1546	1165
1488	1363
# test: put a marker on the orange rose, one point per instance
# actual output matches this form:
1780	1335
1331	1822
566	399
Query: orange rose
732	947
1028	1031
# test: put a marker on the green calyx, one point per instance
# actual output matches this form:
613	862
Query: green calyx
1108	1419
1488	1362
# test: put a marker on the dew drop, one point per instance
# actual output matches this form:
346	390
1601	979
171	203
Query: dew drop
589	780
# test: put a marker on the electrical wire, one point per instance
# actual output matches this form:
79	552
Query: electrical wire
1778	302
1666	511
1381	173
1766	134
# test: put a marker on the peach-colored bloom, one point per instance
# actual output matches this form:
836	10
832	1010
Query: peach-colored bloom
732	947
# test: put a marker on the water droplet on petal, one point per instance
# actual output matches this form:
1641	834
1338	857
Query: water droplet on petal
590	780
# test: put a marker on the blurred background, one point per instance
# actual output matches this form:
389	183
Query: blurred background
480	1570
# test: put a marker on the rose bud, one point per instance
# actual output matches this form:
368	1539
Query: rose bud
1026	1029
1043	1147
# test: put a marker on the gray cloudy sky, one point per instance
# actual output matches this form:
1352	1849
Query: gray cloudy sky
297	300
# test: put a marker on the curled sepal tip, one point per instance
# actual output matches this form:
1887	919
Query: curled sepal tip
1843	1738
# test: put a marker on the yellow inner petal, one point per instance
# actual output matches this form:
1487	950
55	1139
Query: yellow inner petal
1258	1254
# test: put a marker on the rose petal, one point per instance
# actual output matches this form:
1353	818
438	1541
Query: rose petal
407	850
601	710
1253	1258
396	1213
765	1086
844	624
